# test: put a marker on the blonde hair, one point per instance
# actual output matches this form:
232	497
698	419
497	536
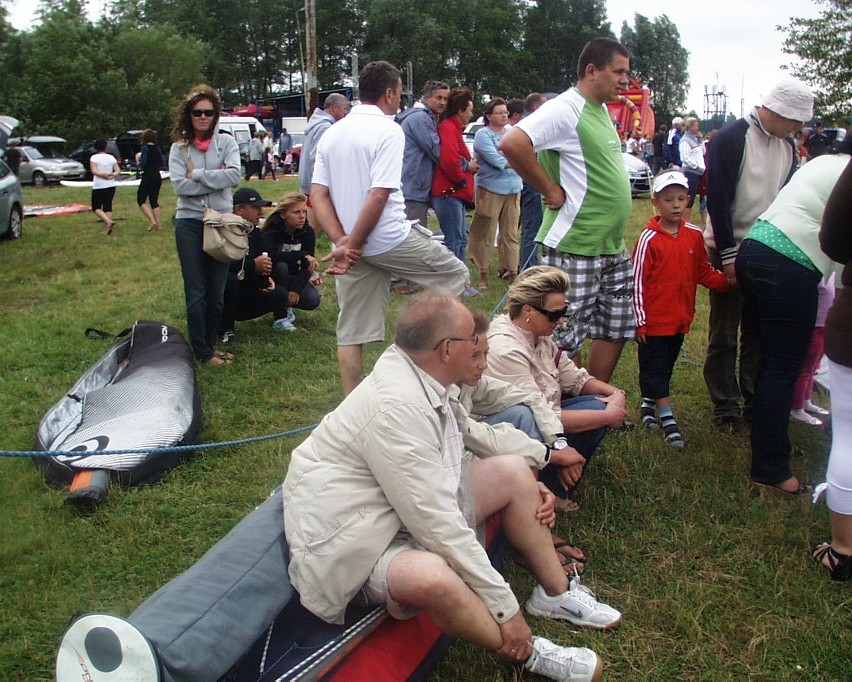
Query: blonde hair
690	121
289	200
534	285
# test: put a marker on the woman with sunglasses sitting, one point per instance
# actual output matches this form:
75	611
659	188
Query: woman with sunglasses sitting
203	167
523	353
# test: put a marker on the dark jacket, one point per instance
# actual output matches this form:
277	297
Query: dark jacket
291	249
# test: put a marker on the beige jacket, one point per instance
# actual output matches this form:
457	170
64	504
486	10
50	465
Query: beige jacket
515	356
491	396
375	466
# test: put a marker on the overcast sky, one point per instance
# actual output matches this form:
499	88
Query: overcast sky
732	43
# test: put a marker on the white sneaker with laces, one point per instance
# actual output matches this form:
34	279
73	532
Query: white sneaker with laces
291	316
563	662
284	325
578	605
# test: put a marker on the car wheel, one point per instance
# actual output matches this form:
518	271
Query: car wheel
38	179
16	223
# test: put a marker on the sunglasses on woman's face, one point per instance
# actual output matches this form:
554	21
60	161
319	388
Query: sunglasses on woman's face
198	113
552	315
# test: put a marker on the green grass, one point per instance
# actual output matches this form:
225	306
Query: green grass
714	577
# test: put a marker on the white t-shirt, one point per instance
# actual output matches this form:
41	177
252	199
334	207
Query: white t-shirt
356	154
104	163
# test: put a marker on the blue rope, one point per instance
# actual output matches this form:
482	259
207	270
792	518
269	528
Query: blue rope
175	448
191	448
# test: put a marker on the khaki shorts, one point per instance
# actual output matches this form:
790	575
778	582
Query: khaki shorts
362	293
375	590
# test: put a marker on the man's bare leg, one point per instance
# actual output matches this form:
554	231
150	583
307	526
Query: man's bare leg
603	357
506	484
349	359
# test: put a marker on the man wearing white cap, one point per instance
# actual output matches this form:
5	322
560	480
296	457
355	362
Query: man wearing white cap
748	163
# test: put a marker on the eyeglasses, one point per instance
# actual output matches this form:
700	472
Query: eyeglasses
552	315
198	113
473	339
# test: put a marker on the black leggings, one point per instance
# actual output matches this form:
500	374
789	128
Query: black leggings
149	190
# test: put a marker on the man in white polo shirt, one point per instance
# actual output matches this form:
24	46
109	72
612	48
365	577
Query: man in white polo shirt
580	174
356	194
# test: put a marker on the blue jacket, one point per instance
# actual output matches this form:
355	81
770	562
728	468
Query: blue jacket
422	151
671	148
493	174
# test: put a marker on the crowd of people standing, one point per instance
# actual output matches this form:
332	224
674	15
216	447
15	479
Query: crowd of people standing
416	475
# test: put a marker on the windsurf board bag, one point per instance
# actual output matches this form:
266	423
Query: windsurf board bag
142	394
234	617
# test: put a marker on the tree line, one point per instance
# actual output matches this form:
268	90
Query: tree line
69	76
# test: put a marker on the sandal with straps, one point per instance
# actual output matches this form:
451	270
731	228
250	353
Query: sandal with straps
839	565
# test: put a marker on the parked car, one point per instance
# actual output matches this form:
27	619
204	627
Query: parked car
11	204
638	173
50	146
38	169
470	132
123	147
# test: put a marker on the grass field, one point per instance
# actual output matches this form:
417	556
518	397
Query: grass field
714	577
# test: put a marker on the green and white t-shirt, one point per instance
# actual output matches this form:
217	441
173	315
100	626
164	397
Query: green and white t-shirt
578	147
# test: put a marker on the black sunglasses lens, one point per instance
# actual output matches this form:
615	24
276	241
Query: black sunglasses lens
556	315
198	113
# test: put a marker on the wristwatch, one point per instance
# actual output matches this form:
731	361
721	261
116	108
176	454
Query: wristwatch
558	444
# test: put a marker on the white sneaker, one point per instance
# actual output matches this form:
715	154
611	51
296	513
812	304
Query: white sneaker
284	325
578	605
563	663
291	316
803	416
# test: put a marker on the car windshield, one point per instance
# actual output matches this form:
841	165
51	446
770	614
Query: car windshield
33	153
51	153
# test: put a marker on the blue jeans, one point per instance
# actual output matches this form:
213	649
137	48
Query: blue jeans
780	295
521	417
532	214
450	212
204	281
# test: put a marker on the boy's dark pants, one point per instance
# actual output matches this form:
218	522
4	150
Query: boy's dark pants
657	358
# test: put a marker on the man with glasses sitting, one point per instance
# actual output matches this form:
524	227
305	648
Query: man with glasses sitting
381	500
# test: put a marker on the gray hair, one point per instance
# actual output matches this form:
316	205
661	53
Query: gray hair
431	86
426	320
335	99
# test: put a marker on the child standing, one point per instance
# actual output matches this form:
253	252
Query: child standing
802	404
669	261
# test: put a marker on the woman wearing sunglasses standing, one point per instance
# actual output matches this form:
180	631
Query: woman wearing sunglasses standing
203	167
523	353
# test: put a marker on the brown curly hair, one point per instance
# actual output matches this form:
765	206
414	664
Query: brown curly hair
182	130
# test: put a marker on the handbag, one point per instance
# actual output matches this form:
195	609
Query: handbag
225	235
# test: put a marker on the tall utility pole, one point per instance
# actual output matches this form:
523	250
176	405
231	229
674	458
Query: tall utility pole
311	39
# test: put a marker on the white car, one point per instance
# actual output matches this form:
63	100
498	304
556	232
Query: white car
638	173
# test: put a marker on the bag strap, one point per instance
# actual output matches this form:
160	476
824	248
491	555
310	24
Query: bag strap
100	335
190	166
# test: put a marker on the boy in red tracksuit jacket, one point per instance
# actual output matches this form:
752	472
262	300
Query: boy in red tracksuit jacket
669	261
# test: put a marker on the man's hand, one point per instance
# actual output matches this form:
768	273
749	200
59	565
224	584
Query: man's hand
343	257
554	198
730	274
262	265
313	263
569	476
516	639
546	513
641	337
293	298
